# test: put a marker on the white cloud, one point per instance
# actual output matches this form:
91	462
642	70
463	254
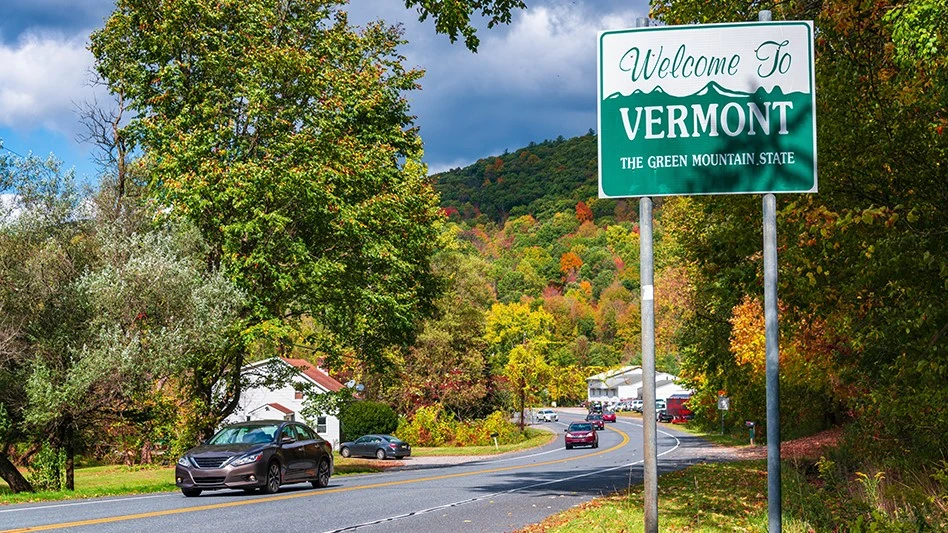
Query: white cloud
546	50
41	76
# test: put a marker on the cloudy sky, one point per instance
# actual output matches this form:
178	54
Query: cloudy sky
530	81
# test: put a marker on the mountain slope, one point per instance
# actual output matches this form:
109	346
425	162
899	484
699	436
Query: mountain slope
540	178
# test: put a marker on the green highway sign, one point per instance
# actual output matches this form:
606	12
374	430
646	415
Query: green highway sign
707	109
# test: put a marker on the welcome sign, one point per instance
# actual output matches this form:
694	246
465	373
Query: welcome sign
707	109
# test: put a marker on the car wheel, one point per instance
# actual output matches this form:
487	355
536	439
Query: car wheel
568	447
322	475
273	479
345	452
190	493
380	454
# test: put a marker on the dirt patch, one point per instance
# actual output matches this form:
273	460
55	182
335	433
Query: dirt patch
810	447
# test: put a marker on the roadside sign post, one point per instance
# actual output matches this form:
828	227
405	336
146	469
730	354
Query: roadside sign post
701	110
649	424
724	403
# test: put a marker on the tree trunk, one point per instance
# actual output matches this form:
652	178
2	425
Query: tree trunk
13	477
69	448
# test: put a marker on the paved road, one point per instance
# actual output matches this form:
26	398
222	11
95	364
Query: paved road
492	494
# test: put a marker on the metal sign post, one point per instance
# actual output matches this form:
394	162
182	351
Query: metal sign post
650	431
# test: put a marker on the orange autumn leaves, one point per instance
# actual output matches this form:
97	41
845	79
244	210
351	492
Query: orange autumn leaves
748	337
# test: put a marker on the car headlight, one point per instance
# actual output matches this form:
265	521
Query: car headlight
184	461
247	459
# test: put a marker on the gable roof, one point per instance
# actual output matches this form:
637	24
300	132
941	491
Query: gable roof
274	405
316	374
309	370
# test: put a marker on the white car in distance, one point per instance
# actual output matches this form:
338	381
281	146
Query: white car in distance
547	415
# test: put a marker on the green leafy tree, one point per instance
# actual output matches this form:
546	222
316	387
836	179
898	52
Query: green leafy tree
448	363
454	18
283	134
528	375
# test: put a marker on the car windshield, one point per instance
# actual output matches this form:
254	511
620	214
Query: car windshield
593	417
580	427
249	434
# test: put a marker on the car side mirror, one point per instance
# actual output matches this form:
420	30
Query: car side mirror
287	440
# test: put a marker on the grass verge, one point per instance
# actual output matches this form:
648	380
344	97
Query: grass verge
707	497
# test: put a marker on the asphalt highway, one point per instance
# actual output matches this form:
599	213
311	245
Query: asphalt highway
494	494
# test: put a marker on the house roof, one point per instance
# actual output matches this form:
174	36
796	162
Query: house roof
274	406
619	372
316	374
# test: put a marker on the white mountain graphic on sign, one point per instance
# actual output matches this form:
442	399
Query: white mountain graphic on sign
713	86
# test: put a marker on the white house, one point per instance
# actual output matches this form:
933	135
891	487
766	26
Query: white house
613	386
285	403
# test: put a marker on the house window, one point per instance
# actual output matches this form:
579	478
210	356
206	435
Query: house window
298	395
320	424
289	417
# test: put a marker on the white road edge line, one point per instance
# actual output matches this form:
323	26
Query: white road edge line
86	502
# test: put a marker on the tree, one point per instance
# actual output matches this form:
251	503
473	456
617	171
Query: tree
862	265
448	362
283	134
509	325
454	17
527	374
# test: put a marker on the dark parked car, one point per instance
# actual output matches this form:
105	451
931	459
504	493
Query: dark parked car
581	434
378	446
596	420
263	454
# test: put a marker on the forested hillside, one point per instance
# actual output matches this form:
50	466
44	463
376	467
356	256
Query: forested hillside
539	179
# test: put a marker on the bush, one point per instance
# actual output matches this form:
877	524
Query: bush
427	427
430	427
364	417
48	469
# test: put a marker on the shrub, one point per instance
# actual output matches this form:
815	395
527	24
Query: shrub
48	469
363	417
426	427
430	427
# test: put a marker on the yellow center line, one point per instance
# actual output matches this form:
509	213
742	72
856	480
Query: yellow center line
307	494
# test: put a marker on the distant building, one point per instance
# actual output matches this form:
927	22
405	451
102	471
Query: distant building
261	403
612	386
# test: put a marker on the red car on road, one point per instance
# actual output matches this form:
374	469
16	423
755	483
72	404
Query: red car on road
596	420
581	434
608	416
